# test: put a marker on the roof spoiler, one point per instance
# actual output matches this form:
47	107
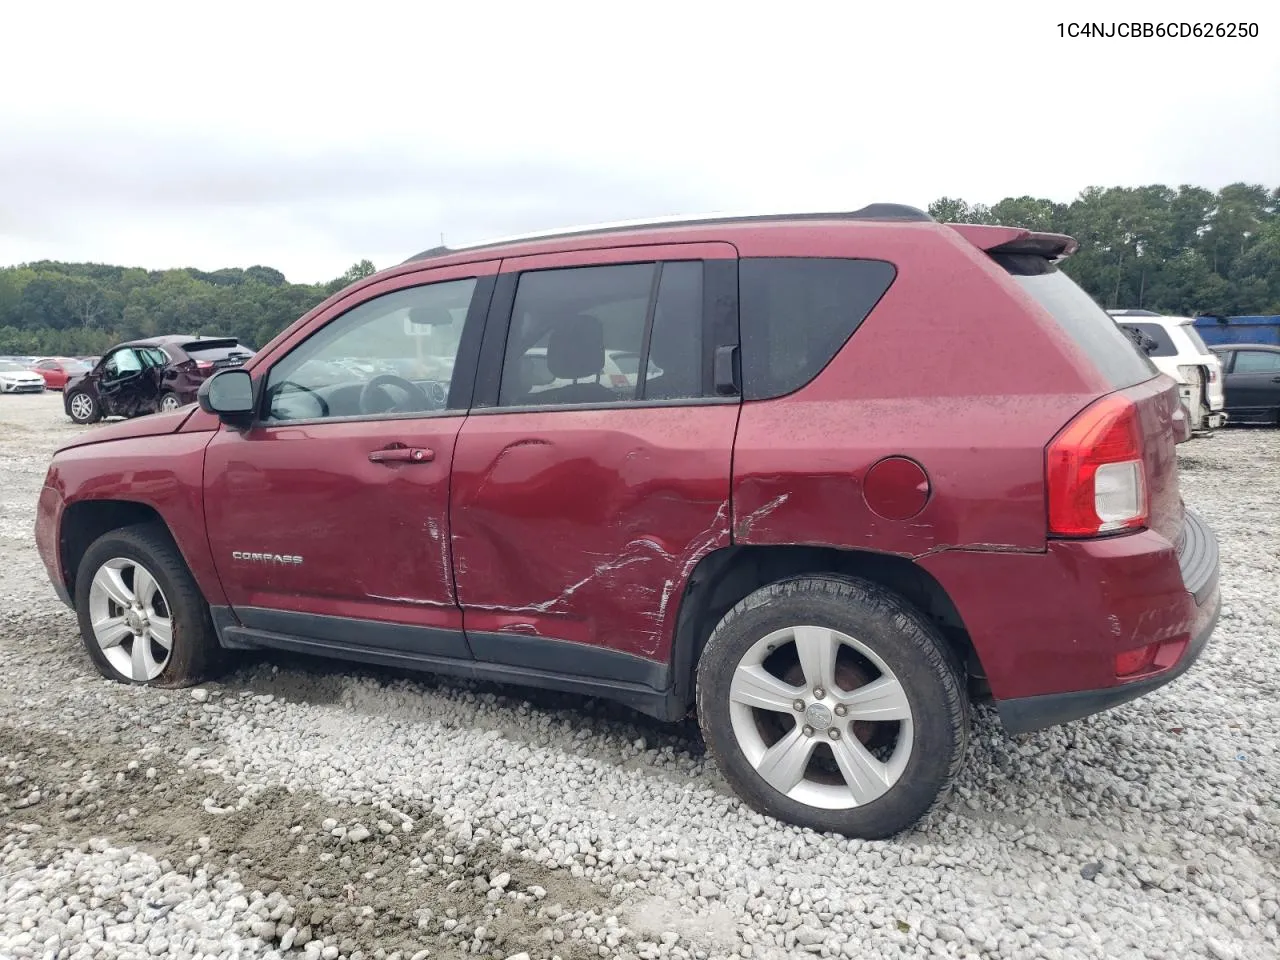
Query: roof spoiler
995	239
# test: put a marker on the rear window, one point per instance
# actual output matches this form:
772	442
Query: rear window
1190	330
216	350
1092	329
797	312
1151	338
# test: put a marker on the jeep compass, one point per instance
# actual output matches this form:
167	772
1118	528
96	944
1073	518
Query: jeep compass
810	517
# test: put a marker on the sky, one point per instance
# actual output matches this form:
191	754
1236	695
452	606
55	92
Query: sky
307	137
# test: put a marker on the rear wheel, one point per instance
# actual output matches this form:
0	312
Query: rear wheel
833	704
83	408
142	617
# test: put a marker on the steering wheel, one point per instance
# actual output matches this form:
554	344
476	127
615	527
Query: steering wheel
417	398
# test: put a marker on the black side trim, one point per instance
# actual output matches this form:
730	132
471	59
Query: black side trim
659	704
720	326
488	379
1025	714
565	657
1198	557
223	619
462	386
407	640
63	594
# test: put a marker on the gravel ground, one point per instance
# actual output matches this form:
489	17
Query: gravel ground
298	808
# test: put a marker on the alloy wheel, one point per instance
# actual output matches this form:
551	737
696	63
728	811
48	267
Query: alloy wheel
821	717
131	620
81	407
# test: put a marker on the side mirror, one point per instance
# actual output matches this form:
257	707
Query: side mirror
228	395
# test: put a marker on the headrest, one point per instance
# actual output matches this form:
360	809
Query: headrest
576	348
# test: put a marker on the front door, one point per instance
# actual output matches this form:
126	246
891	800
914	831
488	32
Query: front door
1253	384
593	472
129	384
329	517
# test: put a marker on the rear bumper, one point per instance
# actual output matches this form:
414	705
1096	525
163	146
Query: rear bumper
1025	714
1047	628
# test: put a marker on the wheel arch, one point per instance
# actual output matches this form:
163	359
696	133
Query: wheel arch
725	576
84	521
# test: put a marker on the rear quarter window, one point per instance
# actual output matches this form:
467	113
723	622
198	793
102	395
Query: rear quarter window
797	312
1090	327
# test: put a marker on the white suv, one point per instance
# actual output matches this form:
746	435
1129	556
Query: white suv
1175	348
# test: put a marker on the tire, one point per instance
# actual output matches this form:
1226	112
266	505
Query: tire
895	785
169	402
123	654
83	408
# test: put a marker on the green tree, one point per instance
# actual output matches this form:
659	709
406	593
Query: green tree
357	271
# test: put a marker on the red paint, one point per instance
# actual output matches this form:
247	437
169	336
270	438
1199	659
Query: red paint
896	488
158	469
1054	621
585	525
58	370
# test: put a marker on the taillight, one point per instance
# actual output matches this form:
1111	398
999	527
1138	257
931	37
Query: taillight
204	366
1094	471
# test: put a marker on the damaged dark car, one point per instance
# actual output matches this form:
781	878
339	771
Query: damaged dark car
159	374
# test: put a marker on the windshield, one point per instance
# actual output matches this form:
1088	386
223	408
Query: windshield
1094	331
8	366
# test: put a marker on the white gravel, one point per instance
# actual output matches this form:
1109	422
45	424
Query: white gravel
323	811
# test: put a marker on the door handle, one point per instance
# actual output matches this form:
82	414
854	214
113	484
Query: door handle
402	455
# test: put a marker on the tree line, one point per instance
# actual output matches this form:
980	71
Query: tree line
82	309
1186	251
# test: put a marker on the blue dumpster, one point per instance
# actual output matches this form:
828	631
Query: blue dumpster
1215	331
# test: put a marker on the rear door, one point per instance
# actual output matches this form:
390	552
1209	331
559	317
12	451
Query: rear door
582	497
1253	384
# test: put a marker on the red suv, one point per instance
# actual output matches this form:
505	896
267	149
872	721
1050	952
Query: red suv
811	516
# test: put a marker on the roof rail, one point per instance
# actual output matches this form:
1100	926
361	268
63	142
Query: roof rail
875	211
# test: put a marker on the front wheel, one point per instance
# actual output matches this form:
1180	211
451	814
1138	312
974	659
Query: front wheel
83	408
833	704
142	617
169	402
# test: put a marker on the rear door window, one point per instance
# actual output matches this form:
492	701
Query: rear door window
1092	329
584	335
797	312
